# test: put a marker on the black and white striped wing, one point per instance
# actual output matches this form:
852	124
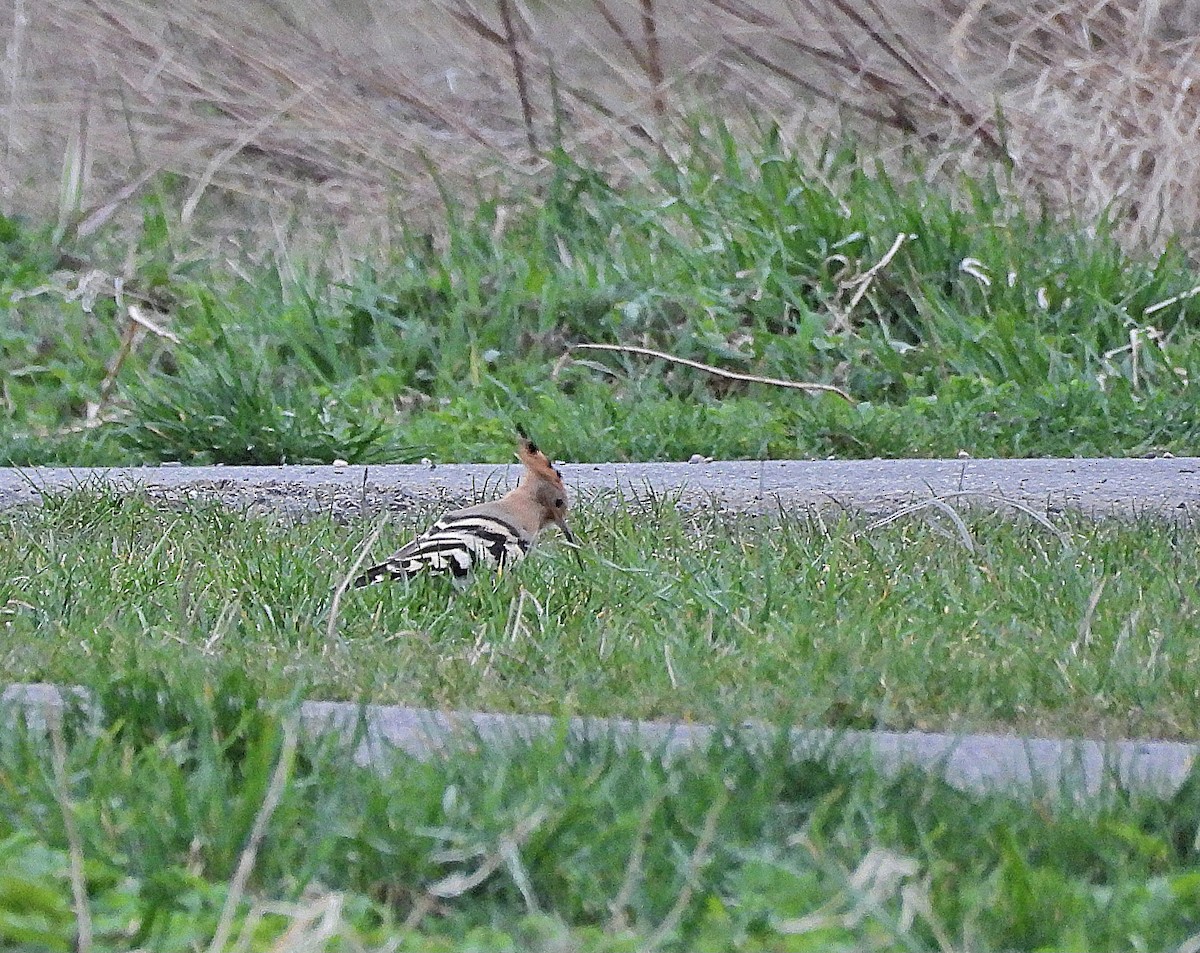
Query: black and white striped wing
456	544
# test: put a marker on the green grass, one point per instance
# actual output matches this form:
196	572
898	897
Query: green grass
742	256
574	847
706	617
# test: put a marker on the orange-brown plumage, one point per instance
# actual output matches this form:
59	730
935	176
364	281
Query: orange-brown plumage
496	534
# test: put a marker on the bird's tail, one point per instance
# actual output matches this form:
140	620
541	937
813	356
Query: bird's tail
377	574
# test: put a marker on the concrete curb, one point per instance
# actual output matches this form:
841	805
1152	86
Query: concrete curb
1038	767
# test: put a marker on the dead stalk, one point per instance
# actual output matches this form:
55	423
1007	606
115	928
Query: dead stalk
237	886
618	922
614	24
15	52
331	636
699	860
136	316
222	158
513	45
654	70
864	281
83	916
114	368
456	884
939	502
715	371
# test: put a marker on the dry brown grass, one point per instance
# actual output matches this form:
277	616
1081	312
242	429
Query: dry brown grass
319	113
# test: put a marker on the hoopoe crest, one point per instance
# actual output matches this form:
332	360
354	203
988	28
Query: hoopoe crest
490	535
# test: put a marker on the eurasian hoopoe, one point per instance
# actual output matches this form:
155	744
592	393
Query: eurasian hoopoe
495	534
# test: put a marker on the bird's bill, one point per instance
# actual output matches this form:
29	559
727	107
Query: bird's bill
562	524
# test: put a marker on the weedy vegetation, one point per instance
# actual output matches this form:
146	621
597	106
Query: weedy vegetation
250	234
548	845
991	331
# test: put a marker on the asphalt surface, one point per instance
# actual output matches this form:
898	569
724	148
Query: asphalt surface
1102	487
1044	768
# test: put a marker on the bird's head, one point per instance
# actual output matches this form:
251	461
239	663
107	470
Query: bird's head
544	485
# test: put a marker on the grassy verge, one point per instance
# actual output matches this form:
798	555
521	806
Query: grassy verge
548	847
1089	629
991	329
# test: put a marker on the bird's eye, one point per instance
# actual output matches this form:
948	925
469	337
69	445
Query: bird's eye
559	502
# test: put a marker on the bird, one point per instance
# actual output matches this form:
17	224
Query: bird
495	535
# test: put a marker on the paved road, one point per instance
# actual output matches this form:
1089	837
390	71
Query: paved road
1101	487
979	763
